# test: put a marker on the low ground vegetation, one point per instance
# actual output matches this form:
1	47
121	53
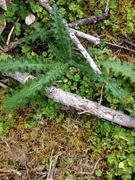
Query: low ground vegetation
42	135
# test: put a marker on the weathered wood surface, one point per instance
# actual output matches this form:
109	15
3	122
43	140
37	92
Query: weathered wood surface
82	104
90	107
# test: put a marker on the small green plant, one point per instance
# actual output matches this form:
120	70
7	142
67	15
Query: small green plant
120	22
67	65
60	65
116	146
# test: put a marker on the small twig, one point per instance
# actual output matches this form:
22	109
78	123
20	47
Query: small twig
88	37
27	173
101	96
83	50
42	177
50	166
129	43
53	167
3	85
45	4
9	172
122	47
1	48
89	20
107	6
12	29
95	166
4	80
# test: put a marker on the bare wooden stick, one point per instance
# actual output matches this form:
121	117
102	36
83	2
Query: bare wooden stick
82	104
89	20
10	33
53	167
50	165
9	172
95	166
3	4
3	85
130	43
90	38
83	51
21	77
122	47
44	4
107	6
53	162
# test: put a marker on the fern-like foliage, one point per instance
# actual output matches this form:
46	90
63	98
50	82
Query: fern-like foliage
40	33
25	63
61	44
47	71
34	88
63	56
125	69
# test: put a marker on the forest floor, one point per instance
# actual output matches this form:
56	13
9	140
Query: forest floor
46	148
33	147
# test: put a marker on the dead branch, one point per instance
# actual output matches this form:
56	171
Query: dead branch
90	107
89	20
9	172
83	51
3	4
21	77
44	4
121	47
88	37
3	85
53	162
82	104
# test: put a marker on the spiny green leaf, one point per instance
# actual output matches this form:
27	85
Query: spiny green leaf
62	40
114	89
30	90
125	68
24	64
